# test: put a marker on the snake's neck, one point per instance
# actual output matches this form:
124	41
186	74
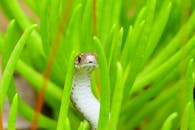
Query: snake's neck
84	99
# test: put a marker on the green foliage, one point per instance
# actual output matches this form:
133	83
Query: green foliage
145	54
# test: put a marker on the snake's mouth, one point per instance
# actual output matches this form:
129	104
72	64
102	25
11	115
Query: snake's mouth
89	65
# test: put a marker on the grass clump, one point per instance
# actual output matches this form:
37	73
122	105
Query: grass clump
145	53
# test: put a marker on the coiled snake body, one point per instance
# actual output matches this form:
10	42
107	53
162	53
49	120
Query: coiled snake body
81	93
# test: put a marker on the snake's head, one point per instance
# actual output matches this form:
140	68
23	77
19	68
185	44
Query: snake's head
86	61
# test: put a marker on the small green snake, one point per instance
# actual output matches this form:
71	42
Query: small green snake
81	94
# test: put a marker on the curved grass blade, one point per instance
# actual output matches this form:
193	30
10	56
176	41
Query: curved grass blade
167	125
185	119
11	39
66	94
117	97
13	113
9	69
18	14
155	123
157	29
105	85
173	45
28	113
165	67
36	79
147	95
153	106
188	118
84	125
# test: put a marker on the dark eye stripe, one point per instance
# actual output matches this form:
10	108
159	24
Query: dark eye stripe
79	59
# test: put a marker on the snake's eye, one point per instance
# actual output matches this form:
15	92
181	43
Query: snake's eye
79	59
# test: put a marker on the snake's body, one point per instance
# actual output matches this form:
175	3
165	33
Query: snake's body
81	93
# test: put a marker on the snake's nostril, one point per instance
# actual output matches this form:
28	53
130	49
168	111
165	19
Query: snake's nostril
90	61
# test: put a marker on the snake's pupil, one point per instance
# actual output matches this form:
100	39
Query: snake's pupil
79	59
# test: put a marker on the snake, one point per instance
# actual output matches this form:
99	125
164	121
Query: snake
81	93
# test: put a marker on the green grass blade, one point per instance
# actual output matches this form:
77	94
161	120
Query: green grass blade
190	81
87	26
143	39
104	19
156	122
167	125
132	37
9	69
117	98
157	29
21	18
66	95
67	123
148	94
185	119
28	113
105	85
84	125
18	13
131	59
115	56
174	44
11	39
116	9
152	106
13	113
36	80
109	40
144	80
188	119
1	43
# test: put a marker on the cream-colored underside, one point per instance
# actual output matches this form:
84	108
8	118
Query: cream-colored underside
84	99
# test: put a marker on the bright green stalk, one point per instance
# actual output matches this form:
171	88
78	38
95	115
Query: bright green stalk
167	125
172	47
165	67
145	96
1	43
132	37
63	115
117	98
188	118
157	29
104	23
13	113
24	109
23	21
36	80
185	119
190	81
11	39
84	125
9	69
115	56
28	113
87	26
155	122
109	40
153	106
105	86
